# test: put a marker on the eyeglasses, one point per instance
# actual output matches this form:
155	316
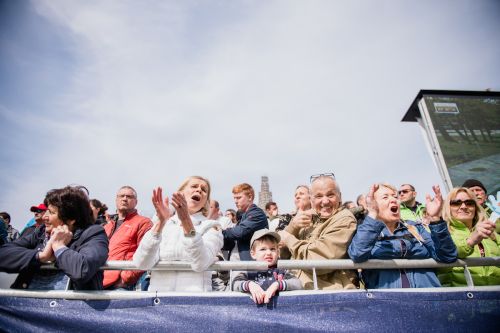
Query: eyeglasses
38	211
458	203
404	191
314	177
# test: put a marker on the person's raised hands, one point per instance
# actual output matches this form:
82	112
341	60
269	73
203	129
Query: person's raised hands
482	230
161	207
434	205
181	207
371	204
60	237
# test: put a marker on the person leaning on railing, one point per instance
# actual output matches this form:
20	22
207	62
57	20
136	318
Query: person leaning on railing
383	235
474	235
69	238
189	235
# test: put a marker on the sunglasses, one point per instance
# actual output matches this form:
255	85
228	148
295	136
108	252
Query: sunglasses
458	203
38	211
404	191
314	177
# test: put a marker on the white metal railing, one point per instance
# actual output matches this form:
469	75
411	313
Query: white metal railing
313	265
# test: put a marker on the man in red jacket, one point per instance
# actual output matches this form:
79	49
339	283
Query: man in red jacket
125	232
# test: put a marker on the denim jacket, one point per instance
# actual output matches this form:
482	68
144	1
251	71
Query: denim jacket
373	240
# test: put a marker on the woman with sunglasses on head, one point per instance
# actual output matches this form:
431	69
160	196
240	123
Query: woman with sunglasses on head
68	238
474	235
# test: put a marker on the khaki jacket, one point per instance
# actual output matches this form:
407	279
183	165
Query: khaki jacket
325	239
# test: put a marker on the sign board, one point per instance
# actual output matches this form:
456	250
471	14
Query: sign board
463	131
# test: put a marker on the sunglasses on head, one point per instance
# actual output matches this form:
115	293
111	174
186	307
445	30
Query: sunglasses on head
329	174
458	203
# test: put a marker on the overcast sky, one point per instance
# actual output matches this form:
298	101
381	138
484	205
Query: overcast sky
146	93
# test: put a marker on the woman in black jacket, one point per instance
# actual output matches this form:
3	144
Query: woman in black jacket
67	238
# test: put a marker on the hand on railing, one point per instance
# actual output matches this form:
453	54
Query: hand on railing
259	295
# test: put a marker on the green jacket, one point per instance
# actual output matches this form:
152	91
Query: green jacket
483	275
408	215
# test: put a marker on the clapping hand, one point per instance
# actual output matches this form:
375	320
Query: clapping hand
482	230
60	237
434	205
371	204
161	207
181	207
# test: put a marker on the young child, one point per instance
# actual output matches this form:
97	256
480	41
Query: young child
264	285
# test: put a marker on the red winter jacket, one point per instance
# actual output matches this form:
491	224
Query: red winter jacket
122	245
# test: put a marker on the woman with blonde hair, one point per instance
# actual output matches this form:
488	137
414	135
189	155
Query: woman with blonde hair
474	235
384	235
186	236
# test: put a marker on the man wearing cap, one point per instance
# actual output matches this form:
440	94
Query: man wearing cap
322	233
480	191
410	208
481	195
39	211
125	232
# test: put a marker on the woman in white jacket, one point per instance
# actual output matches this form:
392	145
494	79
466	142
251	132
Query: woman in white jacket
186	236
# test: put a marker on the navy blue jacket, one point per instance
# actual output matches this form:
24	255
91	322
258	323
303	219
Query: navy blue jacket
374	241
88	251
252	220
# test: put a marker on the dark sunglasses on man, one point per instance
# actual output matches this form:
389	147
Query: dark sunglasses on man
404	191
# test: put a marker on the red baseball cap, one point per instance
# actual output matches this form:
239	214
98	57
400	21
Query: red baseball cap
39	207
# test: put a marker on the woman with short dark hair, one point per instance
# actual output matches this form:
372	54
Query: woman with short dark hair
68	238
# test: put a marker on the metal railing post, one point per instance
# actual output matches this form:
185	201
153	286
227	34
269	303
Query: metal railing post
468	277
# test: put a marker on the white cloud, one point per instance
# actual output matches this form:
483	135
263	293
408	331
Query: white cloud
162	90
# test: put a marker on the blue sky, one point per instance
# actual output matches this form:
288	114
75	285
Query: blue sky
108	93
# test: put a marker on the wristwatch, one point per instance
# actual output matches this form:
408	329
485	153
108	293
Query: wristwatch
190	233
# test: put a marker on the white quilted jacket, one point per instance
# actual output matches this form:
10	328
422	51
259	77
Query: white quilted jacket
171	244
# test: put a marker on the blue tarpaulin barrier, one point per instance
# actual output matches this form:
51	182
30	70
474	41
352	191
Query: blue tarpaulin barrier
459	311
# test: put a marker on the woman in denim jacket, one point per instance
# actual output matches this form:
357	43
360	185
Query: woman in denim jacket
383	235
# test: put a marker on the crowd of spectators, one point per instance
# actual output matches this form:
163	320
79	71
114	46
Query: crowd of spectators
78	235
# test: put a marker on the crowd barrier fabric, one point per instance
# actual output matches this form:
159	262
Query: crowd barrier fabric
373	311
